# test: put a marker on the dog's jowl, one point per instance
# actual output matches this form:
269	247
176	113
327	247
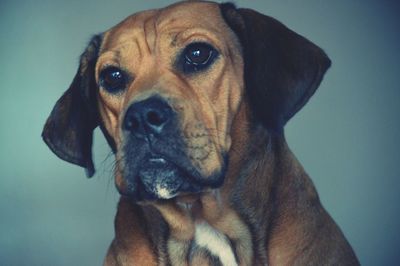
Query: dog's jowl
193	99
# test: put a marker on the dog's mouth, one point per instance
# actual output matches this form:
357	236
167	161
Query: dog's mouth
159	179
154	177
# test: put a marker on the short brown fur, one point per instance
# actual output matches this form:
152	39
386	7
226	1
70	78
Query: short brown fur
267	206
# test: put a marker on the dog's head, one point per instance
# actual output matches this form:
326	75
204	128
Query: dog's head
166	85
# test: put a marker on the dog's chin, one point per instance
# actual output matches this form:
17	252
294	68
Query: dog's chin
157	179
160	179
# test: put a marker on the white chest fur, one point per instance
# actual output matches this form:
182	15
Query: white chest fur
215	242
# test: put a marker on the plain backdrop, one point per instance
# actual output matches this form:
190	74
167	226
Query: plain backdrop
346	137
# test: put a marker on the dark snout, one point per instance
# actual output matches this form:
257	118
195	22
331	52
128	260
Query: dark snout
148	118
155	161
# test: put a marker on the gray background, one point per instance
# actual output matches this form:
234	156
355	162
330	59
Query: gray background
346	137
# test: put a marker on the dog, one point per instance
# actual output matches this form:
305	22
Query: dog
193	99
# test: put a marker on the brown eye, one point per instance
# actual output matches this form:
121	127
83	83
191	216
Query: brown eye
198	56
112	79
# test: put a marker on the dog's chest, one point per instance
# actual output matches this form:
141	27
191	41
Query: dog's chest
214	244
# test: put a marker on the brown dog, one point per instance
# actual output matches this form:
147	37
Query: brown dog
193	99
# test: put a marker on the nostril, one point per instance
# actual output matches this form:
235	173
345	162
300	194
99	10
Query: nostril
154	118
132	123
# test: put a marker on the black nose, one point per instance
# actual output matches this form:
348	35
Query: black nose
147	117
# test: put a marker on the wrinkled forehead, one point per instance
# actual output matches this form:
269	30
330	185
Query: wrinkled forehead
200	17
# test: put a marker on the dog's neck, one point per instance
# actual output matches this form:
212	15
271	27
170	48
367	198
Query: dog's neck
276	195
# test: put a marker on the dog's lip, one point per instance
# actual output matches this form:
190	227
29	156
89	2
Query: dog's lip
157	160
160	160
157	176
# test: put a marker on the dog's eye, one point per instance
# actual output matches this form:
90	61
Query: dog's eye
112	79
198	56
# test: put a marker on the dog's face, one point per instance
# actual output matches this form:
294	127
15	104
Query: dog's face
162	77
166	85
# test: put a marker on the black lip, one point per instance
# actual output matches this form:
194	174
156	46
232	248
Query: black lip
153	169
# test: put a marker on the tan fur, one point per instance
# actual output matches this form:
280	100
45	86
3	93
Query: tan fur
267	210
130	246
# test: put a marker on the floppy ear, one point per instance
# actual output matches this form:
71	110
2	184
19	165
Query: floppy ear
69	129
282	69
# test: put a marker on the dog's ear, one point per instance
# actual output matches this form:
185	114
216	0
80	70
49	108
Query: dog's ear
69	129
282	69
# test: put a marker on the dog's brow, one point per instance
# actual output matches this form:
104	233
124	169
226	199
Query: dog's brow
161	24
174	40
180	36
150	31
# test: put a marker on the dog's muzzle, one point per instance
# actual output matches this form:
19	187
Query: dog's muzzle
155	163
